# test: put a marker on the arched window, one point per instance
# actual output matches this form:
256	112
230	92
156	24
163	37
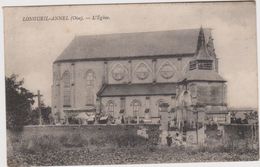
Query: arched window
55	77
90	79
110	108
66	89
136	107
193	90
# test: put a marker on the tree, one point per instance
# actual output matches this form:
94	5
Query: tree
33	117
46	111
18	103
45	114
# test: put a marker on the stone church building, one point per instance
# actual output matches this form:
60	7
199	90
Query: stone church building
145	77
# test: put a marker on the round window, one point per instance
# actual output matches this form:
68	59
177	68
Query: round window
118	73
167	71
142	72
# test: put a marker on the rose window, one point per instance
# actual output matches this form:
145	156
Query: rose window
142	72
167	71
118	73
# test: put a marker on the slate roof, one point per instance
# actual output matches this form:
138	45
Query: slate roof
138	89
132	45
203	54
203	75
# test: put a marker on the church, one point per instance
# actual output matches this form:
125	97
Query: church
144	77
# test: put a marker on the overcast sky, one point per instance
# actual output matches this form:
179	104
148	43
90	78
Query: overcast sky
31	47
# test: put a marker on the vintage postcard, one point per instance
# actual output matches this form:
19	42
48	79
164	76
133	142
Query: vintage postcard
131	83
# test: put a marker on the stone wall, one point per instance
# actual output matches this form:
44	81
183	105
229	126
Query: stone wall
241	136
100	133
232	136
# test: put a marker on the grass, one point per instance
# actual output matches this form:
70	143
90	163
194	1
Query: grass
74	149
125	155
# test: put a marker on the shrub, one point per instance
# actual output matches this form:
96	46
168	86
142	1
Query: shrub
14	136
151	148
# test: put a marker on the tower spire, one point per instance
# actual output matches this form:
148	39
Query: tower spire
202	51
201	39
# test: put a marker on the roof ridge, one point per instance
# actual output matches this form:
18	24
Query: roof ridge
122	33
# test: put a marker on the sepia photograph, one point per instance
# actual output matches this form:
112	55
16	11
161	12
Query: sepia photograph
151	83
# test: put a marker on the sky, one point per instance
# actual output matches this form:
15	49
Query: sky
30	47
